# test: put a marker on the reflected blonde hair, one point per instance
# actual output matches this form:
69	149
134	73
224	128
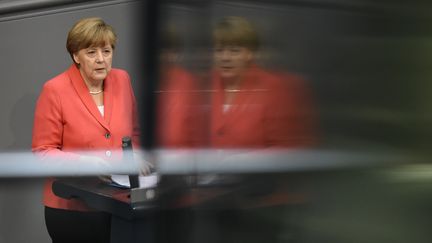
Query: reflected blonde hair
235	30
90	32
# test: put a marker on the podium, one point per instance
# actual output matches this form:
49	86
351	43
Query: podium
135	217
129	222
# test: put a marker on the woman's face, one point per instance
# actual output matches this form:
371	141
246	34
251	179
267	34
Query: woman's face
231	61
94	62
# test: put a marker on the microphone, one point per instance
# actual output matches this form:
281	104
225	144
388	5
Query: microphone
128	158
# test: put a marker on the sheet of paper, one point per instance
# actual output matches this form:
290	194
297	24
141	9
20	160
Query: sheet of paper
144	181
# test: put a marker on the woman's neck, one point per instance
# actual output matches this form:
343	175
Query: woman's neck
229	84
92	85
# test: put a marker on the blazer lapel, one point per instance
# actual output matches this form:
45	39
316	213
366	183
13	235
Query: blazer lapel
217	103
83	93
108	98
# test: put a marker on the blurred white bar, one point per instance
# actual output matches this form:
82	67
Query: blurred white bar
25	164
270	161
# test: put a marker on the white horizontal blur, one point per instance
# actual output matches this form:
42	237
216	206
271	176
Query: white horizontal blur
26	164
23	164
270	161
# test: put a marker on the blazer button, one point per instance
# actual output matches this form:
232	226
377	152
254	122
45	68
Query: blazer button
108	153
107	135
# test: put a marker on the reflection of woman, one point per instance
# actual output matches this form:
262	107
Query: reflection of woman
90	106
178	120
252	107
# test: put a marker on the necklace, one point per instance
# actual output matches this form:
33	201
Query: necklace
232	90
96	92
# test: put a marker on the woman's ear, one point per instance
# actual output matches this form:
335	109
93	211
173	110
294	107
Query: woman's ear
75	58
250	55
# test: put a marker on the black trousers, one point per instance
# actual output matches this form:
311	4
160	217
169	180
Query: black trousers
66	226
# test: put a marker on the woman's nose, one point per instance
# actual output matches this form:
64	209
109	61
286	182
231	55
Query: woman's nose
99	56
225	55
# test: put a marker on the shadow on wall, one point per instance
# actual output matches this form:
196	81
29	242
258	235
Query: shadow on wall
21	122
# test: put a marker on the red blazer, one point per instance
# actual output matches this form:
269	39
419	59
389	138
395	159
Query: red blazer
268	110
67	120
180	123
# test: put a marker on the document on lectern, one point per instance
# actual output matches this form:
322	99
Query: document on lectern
122	181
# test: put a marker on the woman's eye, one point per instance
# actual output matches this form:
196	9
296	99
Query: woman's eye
107	52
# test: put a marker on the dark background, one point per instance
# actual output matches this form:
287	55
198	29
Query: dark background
367	64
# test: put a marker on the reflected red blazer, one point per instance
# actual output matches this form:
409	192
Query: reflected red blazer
67	120
269	110
179	121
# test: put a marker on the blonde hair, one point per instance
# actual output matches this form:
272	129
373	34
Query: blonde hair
90	32
236	31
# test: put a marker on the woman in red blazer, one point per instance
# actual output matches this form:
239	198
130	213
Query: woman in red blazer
252	107
90	106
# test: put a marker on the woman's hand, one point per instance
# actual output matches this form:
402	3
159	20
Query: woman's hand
105	178
101	163
145	162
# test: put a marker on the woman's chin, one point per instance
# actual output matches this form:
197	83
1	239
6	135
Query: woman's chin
99	77
228	75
